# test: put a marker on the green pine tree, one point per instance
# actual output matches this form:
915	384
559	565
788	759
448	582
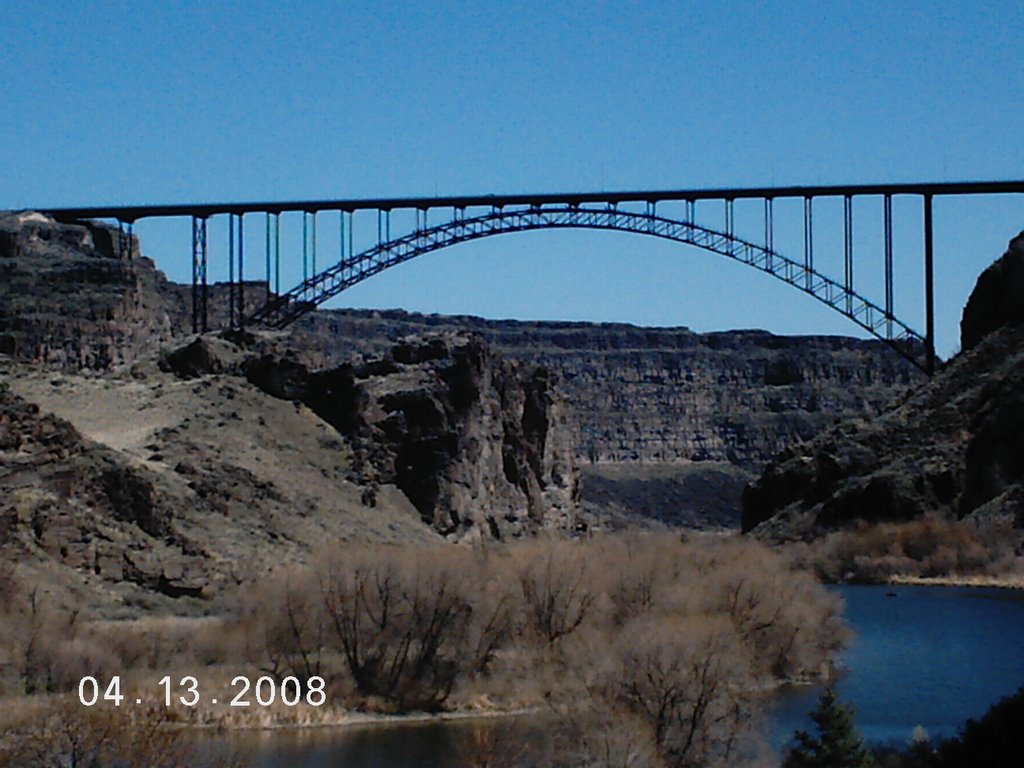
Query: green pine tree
839	743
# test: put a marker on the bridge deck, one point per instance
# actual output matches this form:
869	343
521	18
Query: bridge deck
130	213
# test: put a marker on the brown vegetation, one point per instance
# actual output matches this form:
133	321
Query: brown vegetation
928	547
67	735
648	647
650	650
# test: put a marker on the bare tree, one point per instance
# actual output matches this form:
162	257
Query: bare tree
557	594
295	632
402	628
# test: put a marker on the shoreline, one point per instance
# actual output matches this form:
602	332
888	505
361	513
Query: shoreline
356	719
1011	582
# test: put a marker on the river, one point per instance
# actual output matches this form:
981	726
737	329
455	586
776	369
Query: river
920	656
928	656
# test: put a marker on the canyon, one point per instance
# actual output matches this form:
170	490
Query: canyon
254	446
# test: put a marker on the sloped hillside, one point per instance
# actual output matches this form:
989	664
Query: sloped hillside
137	490
954	447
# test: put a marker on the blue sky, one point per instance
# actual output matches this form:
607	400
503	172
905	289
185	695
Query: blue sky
118	102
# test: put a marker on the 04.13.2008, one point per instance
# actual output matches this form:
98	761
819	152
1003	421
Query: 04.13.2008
264	692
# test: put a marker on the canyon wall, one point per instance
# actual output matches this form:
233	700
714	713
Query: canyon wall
74	296
662	395
479	446
954	448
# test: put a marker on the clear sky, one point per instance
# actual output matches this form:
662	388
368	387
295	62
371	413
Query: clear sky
144	102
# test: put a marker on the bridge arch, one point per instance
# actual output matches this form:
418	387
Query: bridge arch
283	309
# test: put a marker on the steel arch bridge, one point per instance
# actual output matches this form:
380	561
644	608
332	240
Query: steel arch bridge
477	217
285	308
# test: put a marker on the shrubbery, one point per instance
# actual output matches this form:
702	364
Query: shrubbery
930	546
651	650
68	735
659	645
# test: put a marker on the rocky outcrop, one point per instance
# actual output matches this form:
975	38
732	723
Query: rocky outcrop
662	395
480	446
82	505
204	355
998	297
954	447
76	296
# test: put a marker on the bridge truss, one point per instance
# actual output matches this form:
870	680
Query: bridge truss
669	215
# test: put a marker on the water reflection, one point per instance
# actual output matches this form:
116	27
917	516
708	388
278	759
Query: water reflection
450	744
926	656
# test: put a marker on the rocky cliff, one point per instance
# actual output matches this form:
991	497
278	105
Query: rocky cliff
75	296
954	447
996	300
81	296
663	394
480	446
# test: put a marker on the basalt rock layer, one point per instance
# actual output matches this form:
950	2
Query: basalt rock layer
480	446
998	297
81	296
78	296
663	395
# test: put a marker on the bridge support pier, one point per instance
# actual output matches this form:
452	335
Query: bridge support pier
125	237
200	292
236	290
929	287
241	274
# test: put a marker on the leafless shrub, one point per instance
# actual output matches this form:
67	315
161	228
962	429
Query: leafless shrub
666	693
772	608
494	619
930	546
50	649
601	735
402	625
294	634
68	735
557	589
652	649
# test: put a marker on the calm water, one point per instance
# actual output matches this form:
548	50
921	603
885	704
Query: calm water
426	745
928	656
